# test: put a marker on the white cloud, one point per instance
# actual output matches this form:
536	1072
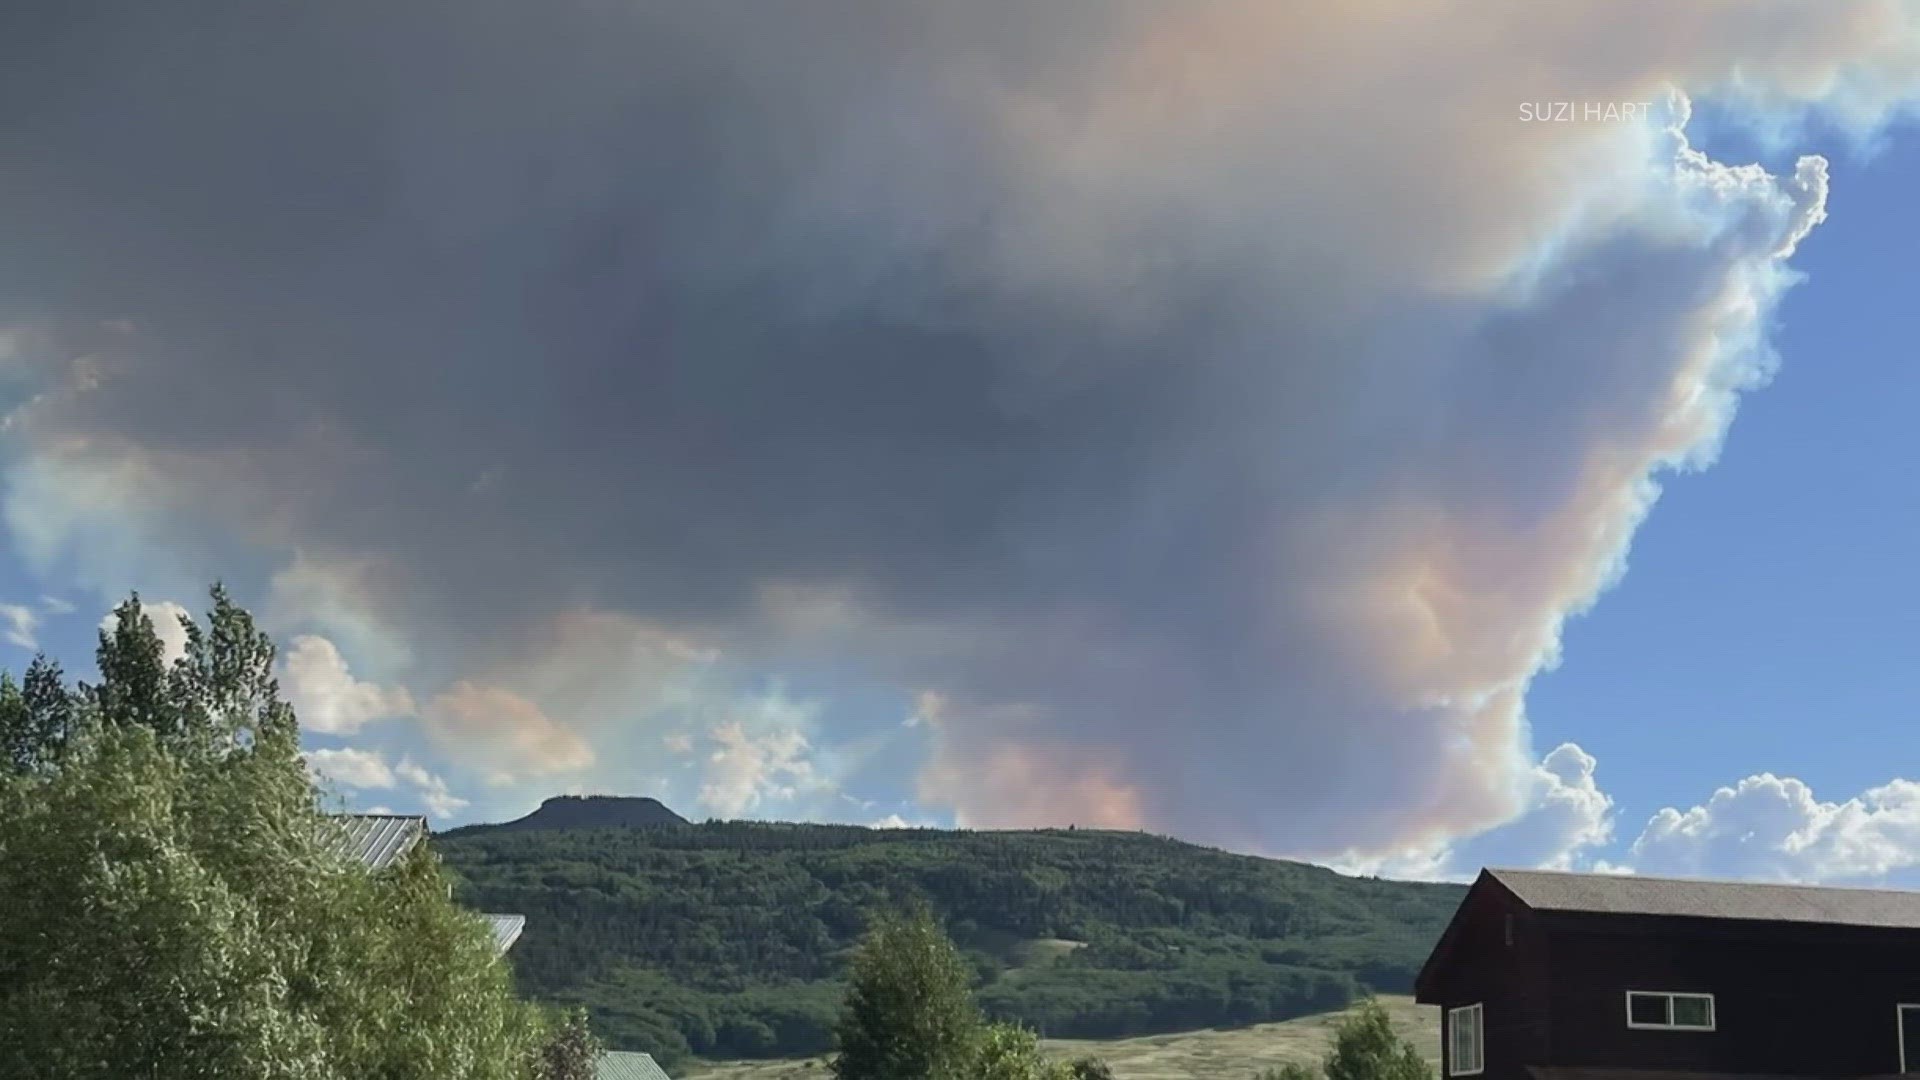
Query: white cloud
1765	827
18	624
345	599
763	755
165	616
432	790
54	605
327	697
351	768
1770	827
1564	819
363	770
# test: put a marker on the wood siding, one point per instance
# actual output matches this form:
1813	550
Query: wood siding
1807	999
1509	981
1788	997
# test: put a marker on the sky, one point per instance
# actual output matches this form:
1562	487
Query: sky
1251	423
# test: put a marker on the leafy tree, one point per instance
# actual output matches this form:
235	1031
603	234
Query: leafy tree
1012	1052
908	1014
1365	1047
1090	1069
177	904
571	1051
132	691
37	718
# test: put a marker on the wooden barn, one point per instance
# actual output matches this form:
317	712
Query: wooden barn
1559	976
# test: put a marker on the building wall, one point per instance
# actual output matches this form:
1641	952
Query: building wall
1788	998
1508	977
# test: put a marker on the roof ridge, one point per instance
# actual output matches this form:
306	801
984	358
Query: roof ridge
1499	870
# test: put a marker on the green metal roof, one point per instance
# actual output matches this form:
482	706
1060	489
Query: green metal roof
623	1065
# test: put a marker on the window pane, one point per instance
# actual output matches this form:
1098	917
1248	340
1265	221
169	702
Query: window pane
1463	1041
1692	1012
1473	1039
1647	1008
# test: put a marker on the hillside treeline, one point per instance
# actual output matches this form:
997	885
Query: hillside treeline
731	938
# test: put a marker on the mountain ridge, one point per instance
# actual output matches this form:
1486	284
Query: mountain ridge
584	812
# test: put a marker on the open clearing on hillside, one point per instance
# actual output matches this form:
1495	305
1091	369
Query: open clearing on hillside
1236	1054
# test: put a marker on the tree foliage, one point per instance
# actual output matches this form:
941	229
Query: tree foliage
1012	1052
731	939
1365	1047
908	1014
177	905
571	1050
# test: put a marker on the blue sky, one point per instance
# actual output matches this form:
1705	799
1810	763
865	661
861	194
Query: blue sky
1211	419
1769	620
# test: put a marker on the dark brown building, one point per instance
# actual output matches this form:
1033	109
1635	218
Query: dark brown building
1556	976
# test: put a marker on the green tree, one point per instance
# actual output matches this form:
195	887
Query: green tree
1012	1052
571	1051
178	905
1090	1069
908	1013
1365	1047
37	718
132	691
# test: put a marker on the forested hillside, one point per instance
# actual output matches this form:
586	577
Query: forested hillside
729	937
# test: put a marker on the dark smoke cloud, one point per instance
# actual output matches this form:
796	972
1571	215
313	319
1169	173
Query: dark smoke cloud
1085	366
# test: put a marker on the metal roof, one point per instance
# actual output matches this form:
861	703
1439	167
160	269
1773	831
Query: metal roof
1632	894
378	839
624	1065
1575	1073
506	930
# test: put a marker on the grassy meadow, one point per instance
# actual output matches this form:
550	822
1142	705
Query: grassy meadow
1235	1054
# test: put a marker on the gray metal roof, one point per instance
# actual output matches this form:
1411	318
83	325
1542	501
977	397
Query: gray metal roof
1573	1073
378	839
1632	894
624	1065
506	930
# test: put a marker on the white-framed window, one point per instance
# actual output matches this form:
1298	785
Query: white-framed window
1666	1010
1908	1018
1466	1043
